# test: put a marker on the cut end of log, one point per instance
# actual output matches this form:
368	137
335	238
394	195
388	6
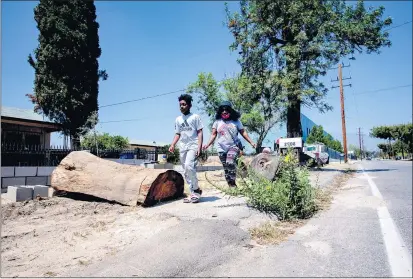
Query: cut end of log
167	186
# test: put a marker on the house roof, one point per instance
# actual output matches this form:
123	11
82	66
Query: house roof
147	143
25	114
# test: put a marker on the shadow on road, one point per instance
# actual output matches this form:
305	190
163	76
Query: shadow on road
209	199
377	170
358	171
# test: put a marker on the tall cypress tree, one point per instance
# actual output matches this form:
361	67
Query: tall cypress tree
67	74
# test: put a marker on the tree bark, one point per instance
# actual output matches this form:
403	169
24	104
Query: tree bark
75	142
294	129
83	173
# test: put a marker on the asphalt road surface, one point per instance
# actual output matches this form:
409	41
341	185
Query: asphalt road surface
394	181
367	232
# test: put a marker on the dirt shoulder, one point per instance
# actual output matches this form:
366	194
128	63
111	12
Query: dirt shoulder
34	234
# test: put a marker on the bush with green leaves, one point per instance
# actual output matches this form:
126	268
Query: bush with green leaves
289	196
172	158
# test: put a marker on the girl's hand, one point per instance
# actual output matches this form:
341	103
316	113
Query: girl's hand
205	147
254	145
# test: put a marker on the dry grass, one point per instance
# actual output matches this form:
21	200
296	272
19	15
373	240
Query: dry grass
274	232
325	196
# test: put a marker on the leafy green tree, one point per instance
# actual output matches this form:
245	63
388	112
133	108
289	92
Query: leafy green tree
172	158
258	116
66	64
385	148
400	147
299	41
317	135
355	149
403	133
104	141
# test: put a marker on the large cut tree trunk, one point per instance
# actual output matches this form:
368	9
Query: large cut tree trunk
294	129
82	172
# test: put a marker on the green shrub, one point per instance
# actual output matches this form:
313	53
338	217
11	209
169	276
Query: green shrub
172	158
290	196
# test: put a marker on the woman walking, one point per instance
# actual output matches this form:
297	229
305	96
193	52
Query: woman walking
226	127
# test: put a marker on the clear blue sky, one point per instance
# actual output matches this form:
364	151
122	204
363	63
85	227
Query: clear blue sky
151	48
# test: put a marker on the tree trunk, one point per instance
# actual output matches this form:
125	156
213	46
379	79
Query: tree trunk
75	142
82	173
294	129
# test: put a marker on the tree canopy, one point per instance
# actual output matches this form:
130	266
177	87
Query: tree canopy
66	64
292	43
104	141
258	117
317	135
402	134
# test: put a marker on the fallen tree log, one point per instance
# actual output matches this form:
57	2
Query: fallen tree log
82	172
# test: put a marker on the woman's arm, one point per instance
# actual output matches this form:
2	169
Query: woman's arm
244	134
212	139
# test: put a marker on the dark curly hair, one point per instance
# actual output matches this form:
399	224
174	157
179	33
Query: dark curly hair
186	97
233	114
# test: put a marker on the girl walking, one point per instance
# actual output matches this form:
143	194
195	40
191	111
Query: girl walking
226	127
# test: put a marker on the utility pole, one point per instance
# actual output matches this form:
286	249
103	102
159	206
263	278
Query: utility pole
362	146
361	156
343	116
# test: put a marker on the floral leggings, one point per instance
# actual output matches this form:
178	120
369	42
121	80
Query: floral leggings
229	162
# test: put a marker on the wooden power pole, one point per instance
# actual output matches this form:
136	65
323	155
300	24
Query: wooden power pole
343	116
361	154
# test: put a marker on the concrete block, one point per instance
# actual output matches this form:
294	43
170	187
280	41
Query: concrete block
18	193
158	166
150	166
25	171
178	168
12	181
41	190
49	181
169	166
36	180
7	171
45	171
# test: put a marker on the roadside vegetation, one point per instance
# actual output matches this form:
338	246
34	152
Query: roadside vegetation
291	197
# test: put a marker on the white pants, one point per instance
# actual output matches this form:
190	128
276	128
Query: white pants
189	162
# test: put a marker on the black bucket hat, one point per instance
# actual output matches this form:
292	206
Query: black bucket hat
225	104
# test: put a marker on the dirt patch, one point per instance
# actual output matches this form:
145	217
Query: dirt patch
34	234
274	232
324	196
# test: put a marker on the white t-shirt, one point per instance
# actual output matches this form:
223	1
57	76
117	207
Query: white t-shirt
187	126
227	133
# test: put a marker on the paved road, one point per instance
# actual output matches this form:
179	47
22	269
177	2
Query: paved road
355	238
394	181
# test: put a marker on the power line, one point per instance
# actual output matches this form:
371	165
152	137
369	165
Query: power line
384	89
124	120
154	96
144	98
407	22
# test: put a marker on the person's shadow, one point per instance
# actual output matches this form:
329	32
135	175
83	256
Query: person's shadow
209	199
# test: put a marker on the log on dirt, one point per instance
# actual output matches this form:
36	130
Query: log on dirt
82	172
